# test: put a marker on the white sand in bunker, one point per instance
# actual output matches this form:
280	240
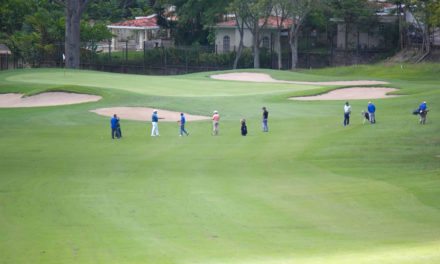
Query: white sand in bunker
11	100
144	114
350	94
266	78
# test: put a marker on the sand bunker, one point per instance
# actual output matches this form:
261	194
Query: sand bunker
266	78
144	114
350	94
45	99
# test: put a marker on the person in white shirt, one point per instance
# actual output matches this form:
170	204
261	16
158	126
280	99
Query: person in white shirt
154	122
347	112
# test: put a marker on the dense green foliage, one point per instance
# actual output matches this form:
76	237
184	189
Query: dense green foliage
309	191
35	30
194	19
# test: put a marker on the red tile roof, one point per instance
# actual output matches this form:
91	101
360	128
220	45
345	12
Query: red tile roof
271	22
141	22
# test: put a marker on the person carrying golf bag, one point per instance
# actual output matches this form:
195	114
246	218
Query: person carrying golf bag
422	111
372	112
116	127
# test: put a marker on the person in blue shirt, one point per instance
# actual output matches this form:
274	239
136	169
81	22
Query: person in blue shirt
423	106
182	123
423	111
372	112
116	127
155	125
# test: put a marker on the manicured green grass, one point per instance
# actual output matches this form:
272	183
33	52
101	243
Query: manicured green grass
310	191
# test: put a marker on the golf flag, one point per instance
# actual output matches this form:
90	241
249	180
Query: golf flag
64	57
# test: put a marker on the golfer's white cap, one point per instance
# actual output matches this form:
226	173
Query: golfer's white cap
154	111
215	112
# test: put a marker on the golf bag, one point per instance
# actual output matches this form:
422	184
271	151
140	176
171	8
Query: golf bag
118	132
367	115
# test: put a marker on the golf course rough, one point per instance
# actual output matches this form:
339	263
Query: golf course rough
308	191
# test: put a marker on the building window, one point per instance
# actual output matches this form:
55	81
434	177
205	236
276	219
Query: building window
266	43
226	44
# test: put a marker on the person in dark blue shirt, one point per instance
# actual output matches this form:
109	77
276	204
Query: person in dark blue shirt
243	127
265	117
182	125
372	112
116	127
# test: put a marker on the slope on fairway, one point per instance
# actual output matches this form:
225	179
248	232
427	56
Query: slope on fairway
150	85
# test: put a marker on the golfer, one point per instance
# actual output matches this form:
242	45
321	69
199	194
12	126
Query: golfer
215	122
243	127
265	117
347	112
182	125
372	112
116	127
423	112
155	125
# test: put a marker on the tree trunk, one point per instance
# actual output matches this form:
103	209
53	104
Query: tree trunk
346	56
240	45
293	41
280	60
74	9
357	45
256	42
239	51
72	41
401	38
426	39
346	37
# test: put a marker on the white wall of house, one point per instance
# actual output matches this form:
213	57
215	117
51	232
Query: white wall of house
234	38
135	38
220	35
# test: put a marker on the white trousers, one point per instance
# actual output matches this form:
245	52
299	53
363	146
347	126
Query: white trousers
154	129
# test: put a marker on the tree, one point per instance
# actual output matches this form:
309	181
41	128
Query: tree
237	8
256	13
298	11
195	18
435	16
427	15
73	10
12	15
91	35
280	9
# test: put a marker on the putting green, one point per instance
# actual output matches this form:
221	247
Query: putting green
309	191
152	85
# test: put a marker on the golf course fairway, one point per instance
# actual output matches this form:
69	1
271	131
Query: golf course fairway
308	191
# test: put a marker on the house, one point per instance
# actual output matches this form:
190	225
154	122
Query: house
367	39
227	35
132	34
